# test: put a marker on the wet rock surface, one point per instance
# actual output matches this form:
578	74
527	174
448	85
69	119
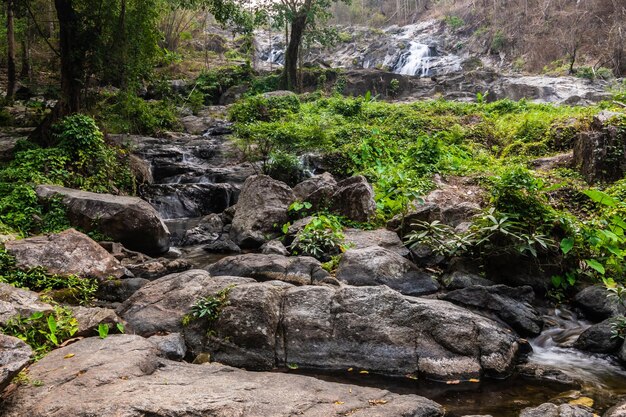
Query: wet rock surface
129	369
595	303
66	253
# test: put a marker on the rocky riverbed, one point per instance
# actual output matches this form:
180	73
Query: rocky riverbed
386	333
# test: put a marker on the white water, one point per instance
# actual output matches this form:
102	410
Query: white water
416	61
554	348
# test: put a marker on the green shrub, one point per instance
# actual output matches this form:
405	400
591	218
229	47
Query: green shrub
213	83
262	108
321	238
127	113
454	22
285	167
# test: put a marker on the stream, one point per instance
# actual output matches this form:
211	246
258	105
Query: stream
196	176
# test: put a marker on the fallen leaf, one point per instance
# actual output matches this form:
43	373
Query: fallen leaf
584	401
474	380
364	372
350	369
69	355
377	402
453	382
410	376
339	402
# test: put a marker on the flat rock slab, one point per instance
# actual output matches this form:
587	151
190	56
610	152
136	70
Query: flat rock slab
553	410
14	356
16	302
66	253
123	375
129	220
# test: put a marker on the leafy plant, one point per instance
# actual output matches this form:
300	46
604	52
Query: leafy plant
321	238
43	332
209	307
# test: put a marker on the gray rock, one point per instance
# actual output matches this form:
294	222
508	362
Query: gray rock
160	305
120	289
317	190
384	238
128	369
272	324
597	338
222	245
426	212
511	305
129	220
89	318
600	154
66	253
553	410
354	199
619	410
197	125
274	247
16	302
460	279
261	211
379	266
595	302
622	353
300	270
541	372
171	346
155	268
14	356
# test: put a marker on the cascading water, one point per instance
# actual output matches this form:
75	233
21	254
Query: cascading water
601	374
416	61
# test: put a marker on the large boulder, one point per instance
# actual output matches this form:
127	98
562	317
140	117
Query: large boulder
378	266
299	270
621	354
16	302
261	211
317	190
66	253
270	324
129	220
462	279
160	305
354	199
600	154
14	356
90	318
123	375
596	304
598	338
511	305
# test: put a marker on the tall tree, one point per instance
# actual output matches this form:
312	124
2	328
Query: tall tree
11	74
301	16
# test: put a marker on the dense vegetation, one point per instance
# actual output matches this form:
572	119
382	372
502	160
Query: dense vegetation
400	147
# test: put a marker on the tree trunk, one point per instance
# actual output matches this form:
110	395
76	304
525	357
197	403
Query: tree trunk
11	75
26	42
72	71
290	71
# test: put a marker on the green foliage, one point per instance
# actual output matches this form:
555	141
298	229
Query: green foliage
209	307
321	238
454	22
498	42
264	109
70	288
127	113
43	332
213	83
103	330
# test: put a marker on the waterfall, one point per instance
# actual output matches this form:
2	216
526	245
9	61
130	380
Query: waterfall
416	61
